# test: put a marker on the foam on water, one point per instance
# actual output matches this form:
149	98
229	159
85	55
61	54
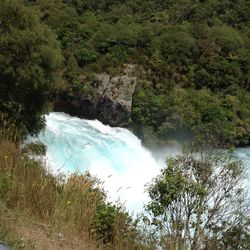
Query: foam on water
244	155
114	155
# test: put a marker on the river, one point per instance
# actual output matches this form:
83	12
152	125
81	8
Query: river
115	155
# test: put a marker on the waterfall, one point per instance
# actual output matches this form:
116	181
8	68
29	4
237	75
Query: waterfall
114	155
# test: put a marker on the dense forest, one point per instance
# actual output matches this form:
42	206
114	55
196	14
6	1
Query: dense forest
193	59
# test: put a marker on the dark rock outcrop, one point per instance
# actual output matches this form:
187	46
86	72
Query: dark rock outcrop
110	102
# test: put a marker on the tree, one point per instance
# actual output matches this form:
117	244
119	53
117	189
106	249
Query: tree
84	56
29	59
199	201
178	47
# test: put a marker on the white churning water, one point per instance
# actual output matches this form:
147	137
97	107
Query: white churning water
114	155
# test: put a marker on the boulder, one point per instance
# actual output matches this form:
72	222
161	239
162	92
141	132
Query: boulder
110	102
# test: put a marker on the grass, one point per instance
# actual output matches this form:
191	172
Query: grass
7	235
75	206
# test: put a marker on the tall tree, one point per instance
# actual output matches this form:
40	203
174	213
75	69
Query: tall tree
199	202
29	59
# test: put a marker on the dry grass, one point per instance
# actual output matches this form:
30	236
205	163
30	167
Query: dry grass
75	207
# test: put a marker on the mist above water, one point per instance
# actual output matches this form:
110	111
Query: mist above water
114	155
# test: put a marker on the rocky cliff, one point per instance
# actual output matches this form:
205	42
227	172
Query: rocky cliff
110	102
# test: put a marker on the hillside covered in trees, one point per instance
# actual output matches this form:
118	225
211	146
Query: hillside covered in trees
193	61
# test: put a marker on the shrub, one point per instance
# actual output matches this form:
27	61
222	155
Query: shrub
85	56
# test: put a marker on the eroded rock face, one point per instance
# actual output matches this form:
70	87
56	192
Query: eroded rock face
111	102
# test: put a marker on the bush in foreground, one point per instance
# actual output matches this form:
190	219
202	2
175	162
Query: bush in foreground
199	201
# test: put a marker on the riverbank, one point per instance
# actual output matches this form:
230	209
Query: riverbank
69	212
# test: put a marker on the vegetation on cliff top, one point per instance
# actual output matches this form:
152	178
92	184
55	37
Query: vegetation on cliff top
193	55
193	59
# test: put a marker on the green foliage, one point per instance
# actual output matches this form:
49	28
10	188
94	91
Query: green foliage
71	72
228	39
29	59
186	50
84	56
104	222
111	222
9	237
178	47
145	41
35	148
189	111
199	200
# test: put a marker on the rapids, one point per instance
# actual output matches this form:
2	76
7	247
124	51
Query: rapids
114	155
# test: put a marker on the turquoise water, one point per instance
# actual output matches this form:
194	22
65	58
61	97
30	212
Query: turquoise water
114	155
244	155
